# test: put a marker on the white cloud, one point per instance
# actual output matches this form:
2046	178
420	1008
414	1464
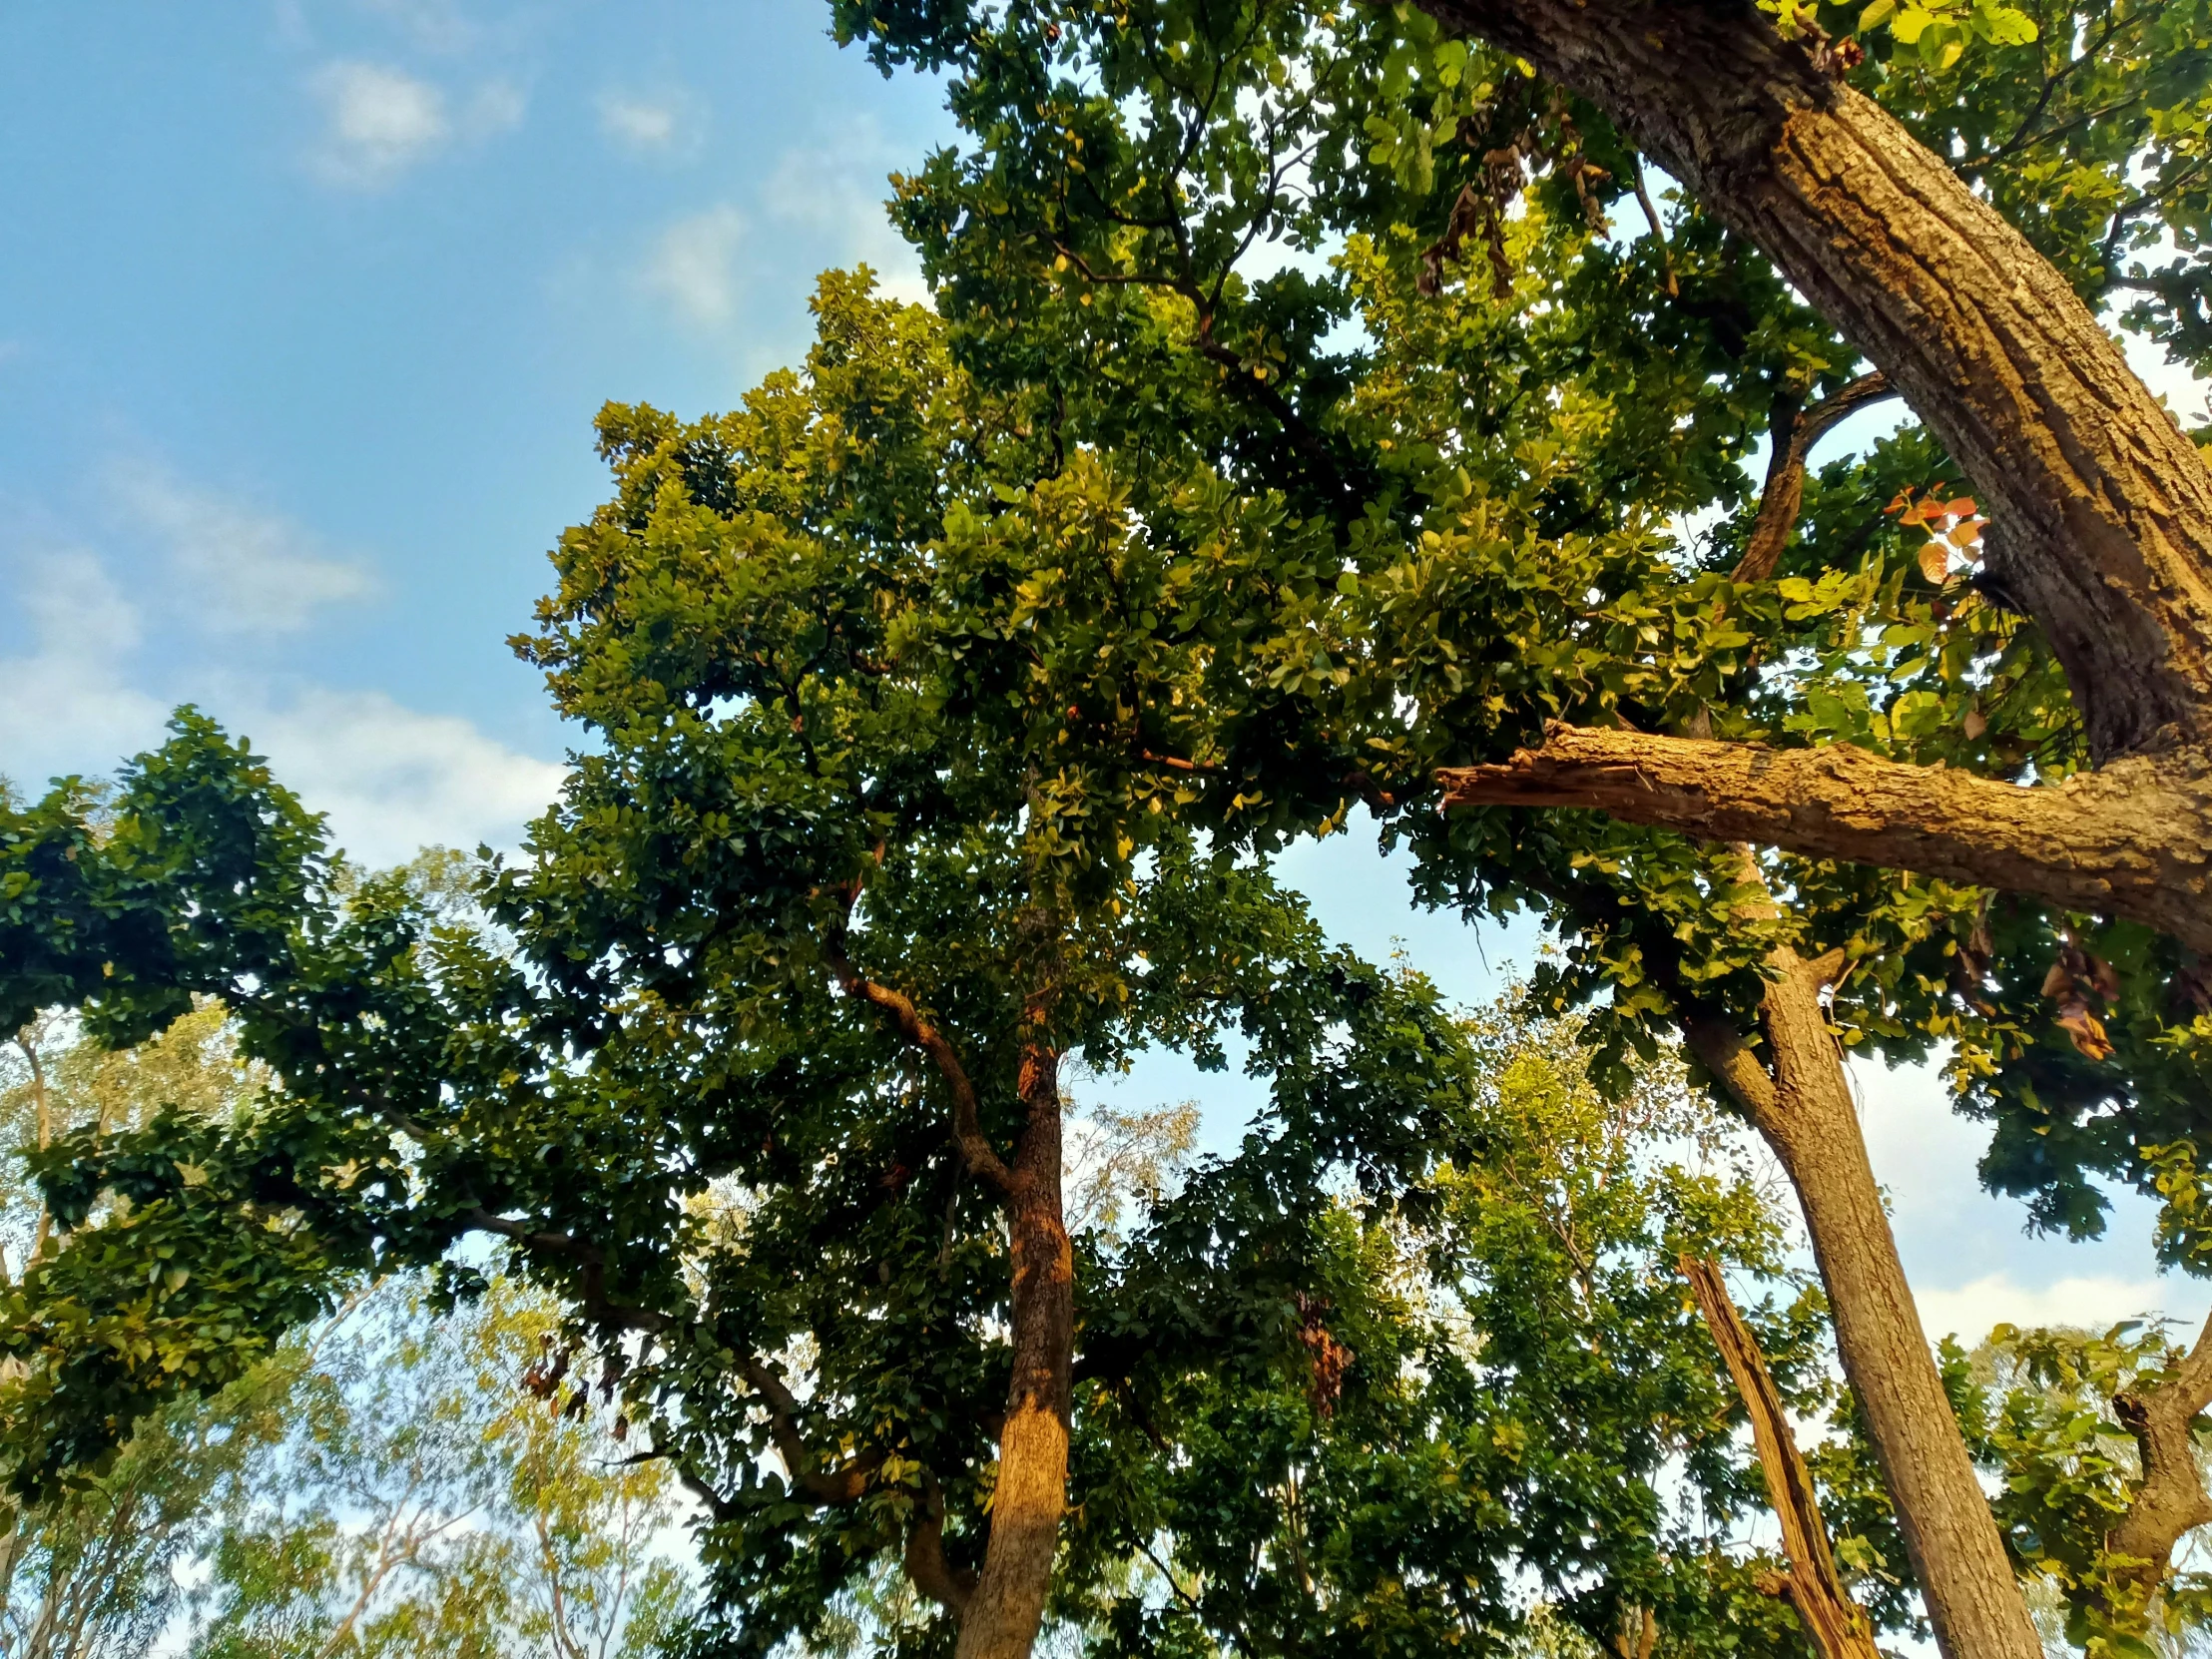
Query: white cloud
693	266
245	570
669	123
495	107
1969	1312
434	25
839	192
64	706
394	779
381	121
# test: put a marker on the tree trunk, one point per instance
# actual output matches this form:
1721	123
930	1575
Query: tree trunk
2101	525
1800	1102
1002	1615
2132	840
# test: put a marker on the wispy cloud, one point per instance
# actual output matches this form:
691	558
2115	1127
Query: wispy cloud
669	123
64	706
74	697
394	779
379	121
837	190
694	266
434	25
242	569
1969	1312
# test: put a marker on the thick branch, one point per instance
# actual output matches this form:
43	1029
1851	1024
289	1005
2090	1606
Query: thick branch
2130	840
1784	495
2101	508
2171	1499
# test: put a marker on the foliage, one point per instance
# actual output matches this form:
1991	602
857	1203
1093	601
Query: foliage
1489	383
2070	1469
424	1503
1494	1399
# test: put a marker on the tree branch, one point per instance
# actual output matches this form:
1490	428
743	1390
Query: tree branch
1837	1625
841	1485
2128	840
1784	494
2101	506
2171	1498
591	1264
926	1565
977	1150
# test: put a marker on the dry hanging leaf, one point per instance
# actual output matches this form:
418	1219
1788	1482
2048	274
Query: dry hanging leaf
2085	1030
2105	977
1975	724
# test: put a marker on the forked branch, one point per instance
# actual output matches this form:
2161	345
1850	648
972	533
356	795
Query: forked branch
2171	1499
1782	497
977	1150
841	1485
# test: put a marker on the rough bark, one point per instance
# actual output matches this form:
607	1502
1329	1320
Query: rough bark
1006	1608
1839	1625
2171	1499
2132	839
2100	508
1800	1101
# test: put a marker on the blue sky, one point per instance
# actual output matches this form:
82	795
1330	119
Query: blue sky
306	307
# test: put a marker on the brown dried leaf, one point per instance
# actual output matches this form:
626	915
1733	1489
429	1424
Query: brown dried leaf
2083	1027
2105	977
1975	724
2059	982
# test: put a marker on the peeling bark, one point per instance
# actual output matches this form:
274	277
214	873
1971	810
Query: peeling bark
2101	508
2132	840
2171	1499
1839	1625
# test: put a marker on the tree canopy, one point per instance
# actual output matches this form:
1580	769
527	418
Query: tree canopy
1325	415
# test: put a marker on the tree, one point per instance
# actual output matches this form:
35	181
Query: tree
1491	1384
92	1571
806	946
1119	165
424	1500
867	849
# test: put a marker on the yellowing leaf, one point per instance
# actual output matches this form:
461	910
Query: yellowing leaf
1934	562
